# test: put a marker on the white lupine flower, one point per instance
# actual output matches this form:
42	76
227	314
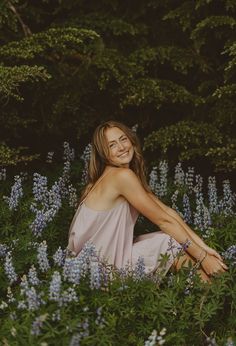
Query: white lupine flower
9	268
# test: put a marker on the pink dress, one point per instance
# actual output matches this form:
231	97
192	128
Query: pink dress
112	230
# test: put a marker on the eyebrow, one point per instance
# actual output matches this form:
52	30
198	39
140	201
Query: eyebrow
118	138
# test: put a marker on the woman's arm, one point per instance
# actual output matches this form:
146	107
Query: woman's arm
128	185
193	236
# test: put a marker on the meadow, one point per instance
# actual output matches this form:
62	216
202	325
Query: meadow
48	297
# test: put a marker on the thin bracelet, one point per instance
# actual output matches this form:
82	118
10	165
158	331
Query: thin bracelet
203	257
198	260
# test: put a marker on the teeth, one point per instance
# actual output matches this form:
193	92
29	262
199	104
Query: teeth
124	154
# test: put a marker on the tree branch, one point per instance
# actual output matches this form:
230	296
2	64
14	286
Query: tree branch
25	27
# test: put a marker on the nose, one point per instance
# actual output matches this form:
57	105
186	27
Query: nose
120	146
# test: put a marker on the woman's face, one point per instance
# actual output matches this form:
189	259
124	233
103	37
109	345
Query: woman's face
121	150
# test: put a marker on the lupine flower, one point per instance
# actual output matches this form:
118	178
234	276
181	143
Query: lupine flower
174	198
153	180
179	175
9	268
42	257
3	250
187	215
230	254
3	174
189	179
10	296
49	156
68	296
139	270
95	274
212	196
33	277
38	324
56	316
55	287
72	270
134	128
72	196
228	201
86	157
32	298
163	168
59	257
155	339
16	194
40	189
69	153
100	321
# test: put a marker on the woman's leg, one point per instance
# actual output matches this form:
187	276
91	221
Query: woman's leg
184	260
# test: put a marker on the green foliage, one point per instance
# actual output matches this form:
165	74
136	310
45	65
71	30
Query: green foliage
11	156
12	77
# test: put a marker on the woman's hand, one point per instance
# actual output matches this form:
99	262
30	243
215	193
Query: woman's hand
211	251
212	265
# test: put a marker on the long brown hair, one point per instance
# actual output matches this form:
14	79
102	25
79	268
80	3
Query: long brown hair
100	153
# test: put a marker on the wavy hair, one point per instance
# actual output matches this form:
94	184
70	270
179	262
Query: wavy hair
100	156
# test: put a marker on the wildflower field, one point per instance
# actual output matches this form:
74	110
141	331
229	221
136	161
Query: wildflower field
49	298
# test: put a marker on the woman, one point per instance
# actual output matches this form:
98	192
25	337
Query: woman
115	195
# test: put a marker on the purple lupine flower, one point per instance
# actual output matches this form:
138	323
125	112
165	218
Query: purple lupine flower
69	153
33	277
73	199
16	194
212	196
187	215
230	254
72	270
95	274
174	198
3	250
39	223
42	257
100	321
139	270
153	180
189	179
86	157
9	268
38	324
229	198
163	168
55	287
40	188
32	298
3	174
179	175
87	254
59	257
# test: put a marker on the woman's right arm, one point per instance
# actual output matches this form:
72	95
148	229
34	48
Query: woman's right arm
129	186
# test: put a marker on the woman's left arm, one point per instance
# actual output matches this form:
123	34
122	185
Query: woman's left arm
189	231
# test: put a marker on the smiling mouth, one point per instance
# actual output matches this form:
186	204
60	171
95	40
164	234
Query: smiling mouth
124	154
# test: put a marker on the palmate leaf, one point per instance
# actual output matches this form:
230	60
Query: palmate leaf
12	77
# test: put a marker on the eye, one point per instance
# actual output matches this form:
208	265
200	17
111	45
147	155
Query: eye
124	138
